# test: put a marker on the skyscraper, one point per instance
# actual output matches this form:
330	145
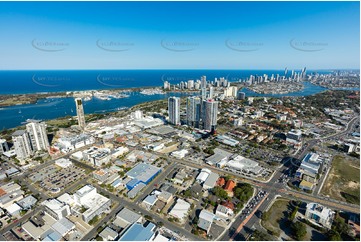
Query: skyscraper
211	92
204	93
174	110
286	70
22	144
190	84
203	82
209	114
80	112
37	134
193	111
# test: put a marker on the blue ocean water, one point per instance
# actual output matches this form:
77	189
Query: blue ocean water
18	82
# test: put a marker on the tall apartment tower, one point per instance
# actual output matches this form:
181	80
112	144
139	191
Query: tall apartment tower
174	110
211	92
203	82
209	114
193	111
37	134
22	144
80	112
3	146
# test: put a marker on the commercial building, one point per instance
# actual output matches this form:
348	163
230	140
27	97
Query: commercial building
320	214
142	173
67	144
209	114
294	136
137	232
97	156
37	134
22	144
95	203
174	110
227	140
244	165
193	111
63	163
80	112
56	208
27	202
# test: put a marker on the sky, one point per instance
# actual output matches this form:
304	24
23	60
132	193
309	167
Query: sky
179	35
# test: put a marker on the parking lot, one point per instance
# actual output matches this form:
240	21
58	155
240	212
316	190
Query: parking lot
54	179
43	173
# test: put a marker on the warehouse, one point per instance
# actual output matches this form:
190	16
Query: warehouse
142	173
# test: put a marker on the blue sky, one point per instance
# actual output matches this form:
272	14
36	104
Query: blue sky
179	35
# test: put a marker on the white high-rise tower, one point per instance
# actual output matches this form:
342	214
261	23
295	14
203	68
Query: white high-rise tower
174	110
80	112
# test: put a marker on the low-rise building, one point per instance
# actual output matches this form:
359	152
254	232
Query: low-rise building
205	220
320	214
137	232
224	212
126	217
56	209
211	181
180	210
108	234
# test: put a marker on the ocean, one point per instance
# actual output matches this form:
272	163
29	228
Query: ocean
20	82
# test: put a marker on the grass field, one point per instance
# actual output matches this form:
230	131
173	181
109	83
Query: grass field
343	181
276	216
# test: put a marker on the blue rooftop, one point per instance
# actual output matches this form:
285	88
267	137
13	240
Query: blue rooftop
137	232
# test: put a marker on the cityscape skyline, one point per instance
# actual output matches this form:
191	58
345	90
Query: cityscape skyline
241	35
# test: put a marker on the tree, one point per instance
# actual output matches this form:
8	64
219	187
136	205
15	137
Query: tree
187	193
260	236
333	236
298	230
220	192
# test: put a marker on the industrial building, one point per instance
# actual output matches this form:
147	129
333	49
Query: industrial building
142	173
137	232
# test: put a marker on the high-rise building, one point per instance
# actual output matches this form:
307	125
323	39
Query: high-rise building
209	114
193	111
203	82
3	146
286	70
22	144
37	134
174	110
190	84
204	93
80	112
241	96
166	85
211	92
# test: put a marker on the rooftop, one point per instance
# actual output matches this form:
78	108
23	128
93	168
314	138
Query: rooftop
136	232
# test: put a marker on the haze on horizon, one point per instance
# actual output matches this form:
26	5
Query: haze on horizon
179	35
